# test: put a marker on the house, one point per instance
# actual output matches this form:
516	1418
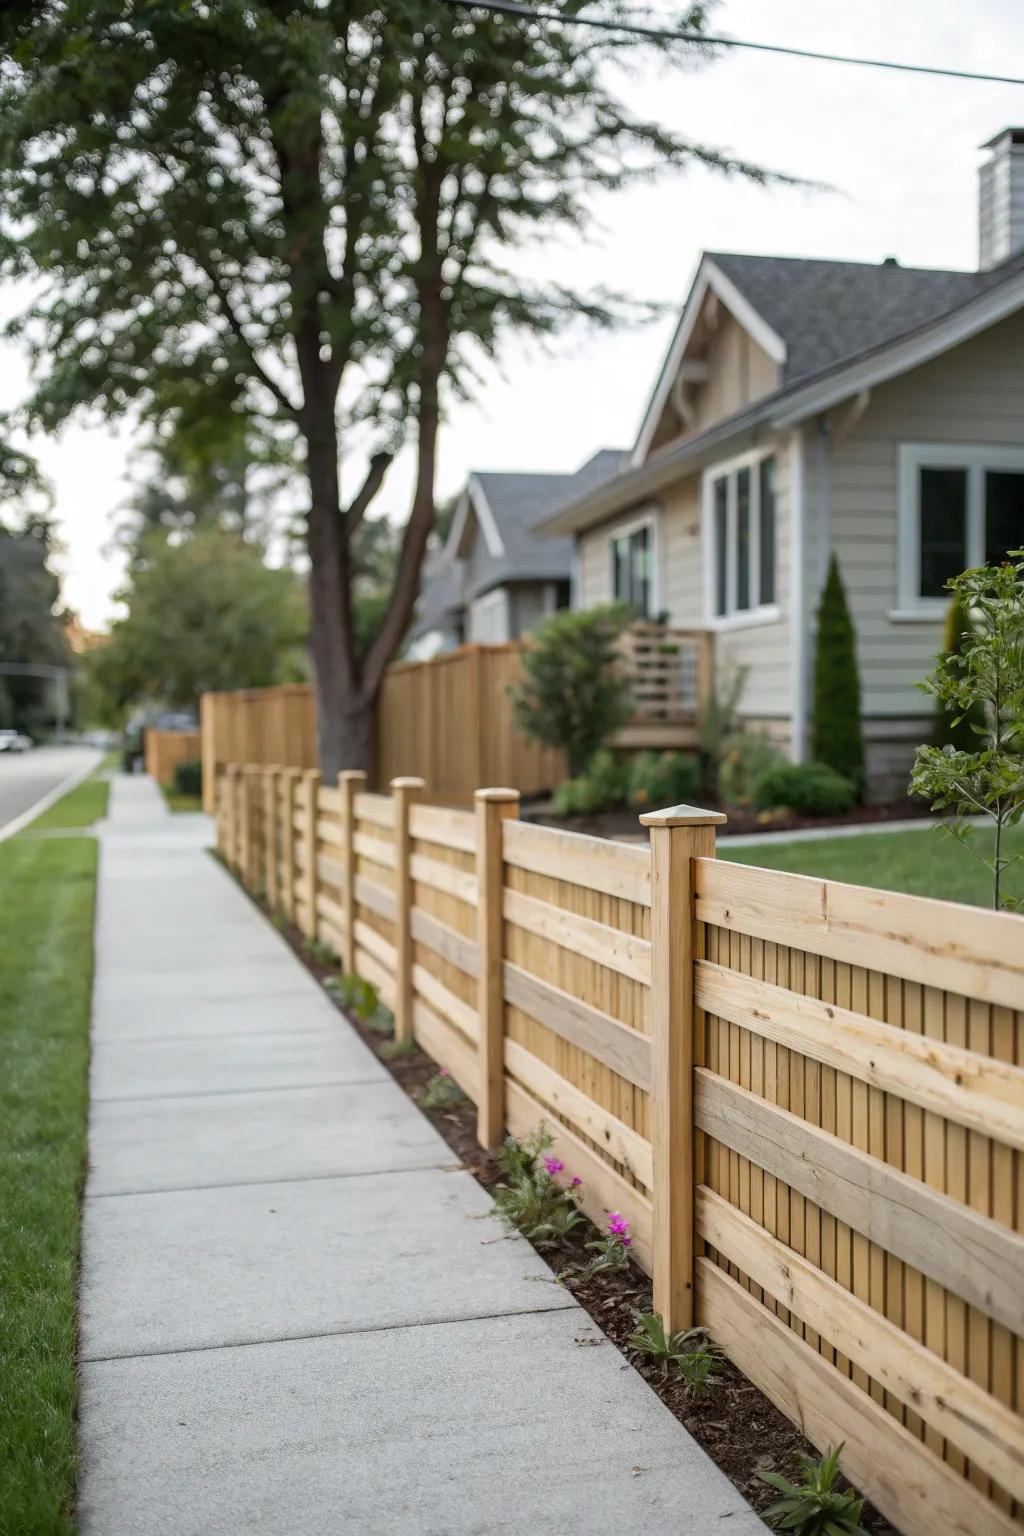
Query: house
814	407
494	579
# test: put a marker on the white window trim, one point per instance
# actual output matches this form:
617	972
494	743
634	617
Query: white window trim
976	459
495	601
761	613
649	518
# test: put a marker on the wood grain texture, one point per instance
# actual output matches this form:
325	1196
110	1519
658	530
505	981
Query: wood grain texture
620	951
617	869
624	1050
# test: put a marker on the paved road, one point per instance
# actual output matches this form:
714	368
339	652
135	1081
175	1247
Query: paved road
296	1315
27	777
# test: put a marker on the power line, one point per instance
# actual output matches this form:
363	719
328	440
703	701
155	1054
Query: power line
605	24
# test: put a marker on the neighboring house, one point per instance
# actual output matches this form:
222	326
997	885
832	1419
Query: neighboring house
810	407
494	579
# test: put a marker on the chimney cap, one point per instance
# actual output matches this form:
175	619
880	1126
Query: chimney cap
890	261
1015	136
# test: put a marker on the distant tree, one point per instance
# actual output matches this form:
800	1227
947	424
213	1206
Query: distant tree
838	736
986	674
574	694
955	727
305	212
204	613
31	623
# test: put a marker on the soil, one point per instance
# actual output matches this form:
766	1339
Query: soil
742	1432
623	826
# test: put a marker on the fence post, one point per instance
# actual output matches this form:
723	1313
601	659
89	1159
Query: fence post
311	780
291	784
493	806
351	782
404	792
244	826
270	836
678	837
227	816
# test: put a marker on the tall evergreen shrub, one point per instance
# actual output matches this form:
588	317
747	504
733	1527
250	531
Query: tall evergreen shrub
838	738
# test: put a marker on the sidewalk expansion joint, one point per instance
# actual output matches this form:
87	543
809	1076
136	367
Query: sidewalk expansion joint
297	1178
234	1093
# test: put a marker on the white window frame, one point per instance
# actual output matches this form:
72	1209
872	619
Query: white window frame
976	459
757	613
495	601
649	518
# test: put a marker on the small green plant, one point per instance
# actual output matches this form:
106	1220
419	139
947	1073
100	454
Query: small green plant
837	734
280	921
574	694
986	675
531	1198
612	1250
658	780
954	723
811	789
745	757
188	777
691	1353
815	1506
602	787
440	1091
718	723
319	952
395	1050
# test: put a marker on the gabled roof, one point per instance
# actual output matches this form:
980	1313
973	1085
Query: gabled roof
507	507
921	314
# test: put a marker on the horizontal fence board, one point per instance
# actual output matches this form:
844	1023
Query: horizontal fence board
330	870
617	869
604	1189
374	848
374	943
619	951
445	1003
443	877
991	1434
920	1494
615	1045
619	1140
330	832
329	909
971	1255
376	808
328	934
448	1047
329	799
371	970
939	943
974	1090
377	897
451	829
444	940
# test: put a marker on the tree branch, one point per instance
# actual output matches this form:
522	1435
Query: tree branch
238	331
357	507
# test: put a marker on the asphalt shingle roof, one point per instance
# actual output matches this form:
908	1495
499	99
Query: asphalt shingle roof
826	311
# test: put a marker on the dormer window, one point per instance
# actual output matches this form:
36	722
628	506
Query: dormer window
739	501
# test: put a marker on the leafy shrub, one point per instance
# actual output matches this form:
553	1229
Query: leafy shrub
574	694
441	1091
745	757
658	780
601	788
691	1352
838	740
955	723
811	789
188	777
815	1507
361	998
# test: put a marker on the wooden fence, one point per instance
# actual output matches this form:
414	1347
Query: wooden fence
806	1097
166	749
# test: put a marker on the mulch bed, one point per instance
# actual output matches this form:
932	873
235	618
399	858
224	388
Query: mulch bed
742	1432
620	825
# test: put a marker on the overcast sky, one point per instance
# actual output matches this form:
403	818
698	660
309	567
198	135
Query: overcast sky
901	150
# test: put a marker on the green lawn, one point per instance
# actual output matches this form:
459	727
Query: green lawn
926	863
81	806
47	894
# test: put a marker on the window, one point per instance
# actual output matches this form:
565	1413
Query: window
959	507
742	538
632	552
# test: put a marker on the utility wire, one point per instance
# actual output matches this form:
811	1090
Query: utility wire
605	24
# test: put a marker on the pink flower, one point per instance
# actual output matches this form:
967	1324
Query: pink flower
618	1226
575	1181
443	1072
554	1165
625	1241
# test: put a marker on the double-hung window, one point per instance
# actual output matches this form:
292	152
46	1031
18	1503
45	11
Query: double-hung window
632	553
960	506
741	503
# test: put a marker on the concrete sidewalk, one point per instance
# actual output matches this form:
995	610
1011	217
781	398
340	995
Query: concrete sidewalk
297	1316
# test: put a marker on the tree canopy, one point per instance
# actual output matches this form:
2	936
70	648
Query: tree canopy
300	216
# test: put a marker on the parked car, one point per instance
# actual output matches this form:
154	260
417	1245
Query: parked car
14	741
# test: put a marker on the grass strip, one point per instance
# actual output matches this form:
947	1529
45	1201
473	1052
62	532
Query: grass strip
47	903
